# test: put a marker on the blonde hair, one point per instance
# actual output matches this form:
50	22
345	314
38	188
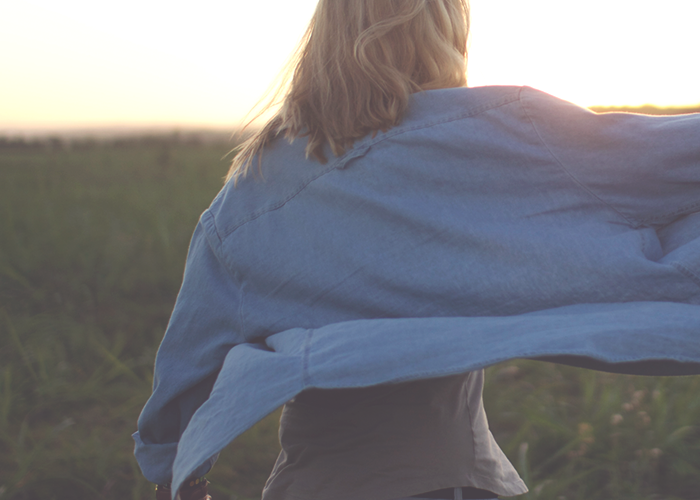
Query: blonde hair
355	69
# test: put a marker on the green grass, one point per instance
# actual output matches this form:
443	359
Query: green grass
92	244
579	434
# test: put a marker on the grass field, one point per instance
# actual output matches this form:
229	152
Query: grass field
92	244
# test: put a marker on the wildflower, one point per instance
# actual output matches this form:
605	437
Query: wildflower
635	401
637	397
585	432
644	418
585	435
538	489
508	371
616	419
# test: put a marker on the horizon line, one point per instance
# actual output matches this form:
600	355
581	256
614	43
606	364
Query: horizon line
112	129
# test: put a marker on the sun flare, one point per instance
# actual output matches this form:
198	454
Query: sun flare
85	63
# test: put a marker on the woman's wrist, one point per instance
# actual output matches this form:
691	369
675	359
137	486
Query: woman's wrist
192	489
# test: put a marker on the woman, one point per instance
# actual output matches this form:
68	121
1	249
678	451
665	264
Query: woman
414	233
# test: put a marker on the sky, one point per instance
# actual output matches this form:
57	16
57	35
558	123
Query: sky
80	63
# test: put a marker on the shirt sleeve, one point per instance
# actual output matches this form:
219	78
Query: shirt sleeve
203	327
645	167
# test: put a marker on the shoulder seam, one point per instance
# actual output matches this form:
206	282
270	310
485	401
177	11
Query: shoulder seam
211	233
338	163
362	147
629	220
456	116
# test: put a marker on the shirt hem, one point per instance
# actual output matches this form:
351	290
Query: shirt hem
406	489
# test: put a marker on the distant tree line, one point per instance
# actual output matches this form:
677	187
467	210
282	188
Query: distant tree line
176	138
647	109
56	142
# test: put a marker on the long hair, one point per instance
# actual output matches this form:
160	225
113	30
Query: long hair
355	69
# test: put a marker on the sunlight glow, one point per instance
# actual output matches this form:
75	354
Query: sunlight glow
81	63
598	52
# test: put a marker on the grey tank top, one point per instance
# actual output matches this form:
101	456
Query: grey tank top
389	441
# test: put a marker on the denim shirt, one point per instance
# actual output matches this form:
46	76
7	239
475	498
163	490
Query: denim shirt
493	223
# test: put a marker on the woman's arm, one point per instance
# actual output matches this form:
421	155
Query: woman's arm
645	167
203	327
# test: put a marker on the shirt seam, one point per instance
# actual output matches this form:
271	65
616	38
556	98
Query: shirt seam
530	355
211	232
686	272
635	223
354	153
362	147
455	116
504	484
471	418
663	218
307	354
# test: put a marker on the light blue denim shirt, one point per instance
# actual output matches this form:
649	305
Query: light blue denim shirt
493	223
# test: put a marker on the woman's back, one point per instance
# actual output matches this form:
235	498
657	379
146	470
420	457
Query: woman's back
390	441
462	210
414	231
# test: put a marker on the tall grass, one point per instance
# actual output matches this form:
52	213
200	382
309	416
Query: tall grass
578	434
92	244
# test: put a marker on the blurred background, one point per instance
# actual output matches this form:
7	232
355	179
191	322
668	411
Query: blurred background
78	64
116	125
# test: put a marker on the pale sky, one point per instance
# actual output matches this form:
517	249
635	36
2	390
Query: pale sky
79	63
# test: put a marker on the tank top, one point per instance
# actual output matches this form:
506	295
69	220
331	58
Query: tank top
389	441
